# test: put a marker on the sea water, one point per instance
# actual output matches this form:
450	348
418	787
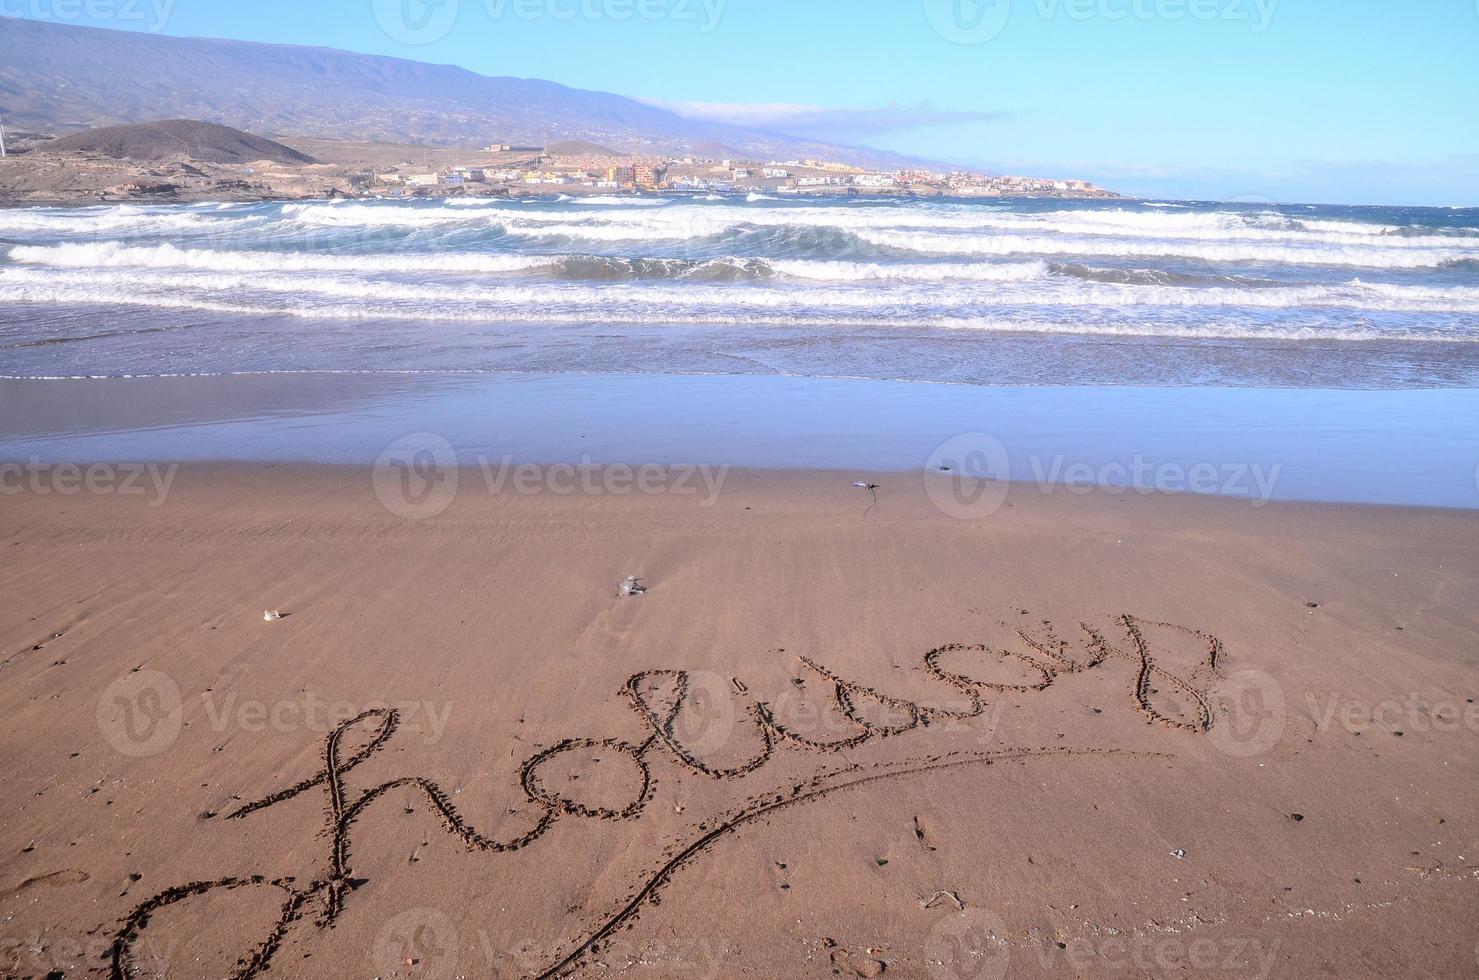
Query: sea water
983	292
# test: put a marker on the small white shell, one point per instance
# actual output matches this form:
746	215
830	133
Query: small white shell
271	616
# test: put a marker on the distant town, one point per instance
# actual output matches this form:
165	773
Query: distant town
576	170
188	160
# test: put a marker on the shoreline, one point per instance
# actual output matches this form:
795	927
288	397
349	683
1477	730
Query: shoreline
1252	444
150	482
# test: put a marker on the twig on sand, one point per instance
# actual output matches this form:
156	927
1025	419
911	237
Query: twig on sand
937	896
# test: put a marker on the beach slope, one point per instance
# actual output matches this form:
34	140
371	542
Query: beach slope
841	732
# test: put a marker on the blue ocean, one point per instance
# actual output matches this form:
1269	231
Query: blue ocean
983	292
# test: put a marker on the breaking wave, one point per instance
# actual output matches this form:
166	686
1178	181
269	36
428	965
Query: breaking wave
1157	269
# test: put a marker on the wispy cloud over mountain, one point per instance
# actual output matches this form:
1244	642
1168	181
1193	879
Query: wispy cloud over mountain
821	123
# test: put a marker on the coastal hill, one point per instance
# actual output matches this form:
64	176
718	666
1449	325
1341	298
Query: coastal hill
60	78
575	148
178	137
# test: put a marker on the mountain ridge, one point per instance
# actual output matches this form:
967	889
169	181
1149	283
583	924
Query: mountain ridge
64	78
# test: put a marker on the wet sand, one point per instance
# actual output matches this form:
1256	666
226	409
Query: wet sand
843	732
1401	446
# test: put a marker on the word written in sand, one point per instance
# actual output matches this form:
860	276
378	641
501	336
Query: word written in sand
657	697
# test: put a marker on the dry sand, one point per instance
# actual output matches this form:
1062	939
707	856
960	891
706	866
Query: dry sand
574	780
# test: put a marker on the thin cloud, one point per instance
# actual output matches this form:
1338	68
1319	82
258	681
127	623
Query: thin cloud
821	123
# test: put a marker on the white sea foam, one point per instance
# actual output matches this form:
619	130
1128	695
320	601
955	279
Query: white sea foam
1287	254
1166	271
936	272
924	299
616	218
102	255
1202	329
622	201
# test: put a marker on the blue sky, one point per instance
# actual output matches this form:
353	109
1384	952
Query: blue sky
1354	101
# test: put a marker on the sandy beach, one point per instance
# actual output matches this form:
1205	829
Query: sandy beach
842	732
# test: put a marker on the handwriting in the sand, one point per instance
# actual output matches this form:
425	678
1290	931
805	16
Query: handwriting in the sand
658	696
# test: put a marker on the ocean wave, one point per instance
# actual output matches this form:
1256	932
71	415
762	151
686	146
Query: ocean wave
1159	277
927	272
926	243
102	255
618	218
657	219
1202	328
22	283
84	221
625	201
